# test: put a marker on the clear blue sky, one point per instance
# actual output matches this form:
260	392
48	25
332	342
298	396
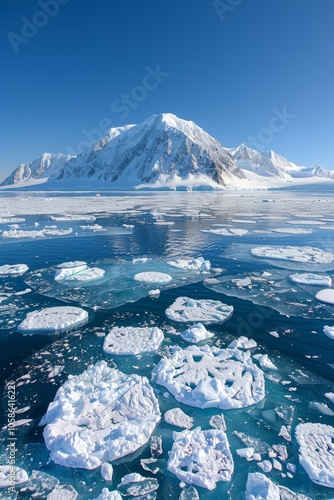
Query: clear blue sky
227	72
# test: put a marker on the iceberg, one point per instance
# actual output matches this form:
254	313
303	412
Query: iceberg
132	340
316	452
53	319
196	333
99	416
201	457
209	377
185	310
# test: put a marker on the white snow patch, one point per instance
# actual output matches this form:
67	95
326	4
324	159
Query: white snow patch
185	309
53	319
99	416
132	340
201	457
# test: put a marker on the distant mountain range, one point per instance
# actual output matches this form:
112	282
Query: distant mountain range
165	152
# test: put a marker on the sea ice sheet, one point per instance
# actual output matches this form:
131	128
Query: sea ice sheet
53	319
99	416
209	377
201	457
132	340
316	452
186	309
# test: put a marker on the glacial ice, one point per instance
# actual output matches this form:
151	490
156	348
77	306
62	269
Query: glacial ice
13	269
177	417
78	271
201	457
294	254
209	377
326	296
185	310
329	331
196	333
99	416
53	319
311	279
132	340
7	473
152	277
316	452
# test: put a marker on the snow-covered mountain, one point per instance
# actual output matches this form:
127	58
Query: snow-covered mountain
162	151
41	168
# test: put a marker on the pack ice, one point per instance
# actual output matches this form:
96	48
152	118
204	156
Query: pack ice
53	319
132	340
209	377
201	457
185	310
99	416
316	452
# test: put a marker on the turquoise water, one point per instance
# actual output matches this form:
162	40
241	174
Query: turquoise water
162	226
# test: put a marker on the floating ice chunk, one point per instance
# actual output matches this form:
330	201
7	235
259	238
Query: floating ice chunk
136	485
196	333
316	452
201	457
265	362
326	295
292	230
152	277
266	465
245	452
185	309
11	475
189	493
53	319
132	340
107	471
311	279
109	495
228	231
13	270
93	227
20	233
322	408
63	492
79	272
156	446
177	417
208	377
330	396
199	263
154	293
218	422
99	416
294	254
260	487
329	331
243	343
71	217
243	282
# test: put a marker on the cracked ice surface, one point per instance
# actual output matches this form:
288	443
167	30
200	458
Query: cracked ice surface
316	452
185	309
208	377
53	319
132	340
201	457
99	416
117	285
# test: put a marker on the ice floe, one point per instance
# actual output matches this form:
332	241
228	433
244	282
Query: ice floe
109	495
43	233
191	264
228	231
311	279
326	295
196	333
316	452
186	309
11	475
152	277
132	340
63	492
177	417
201	457
136	485
329	331
243	343
99	416
53	319
260	487
77	270
13	269
294	253
107	471
209	377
